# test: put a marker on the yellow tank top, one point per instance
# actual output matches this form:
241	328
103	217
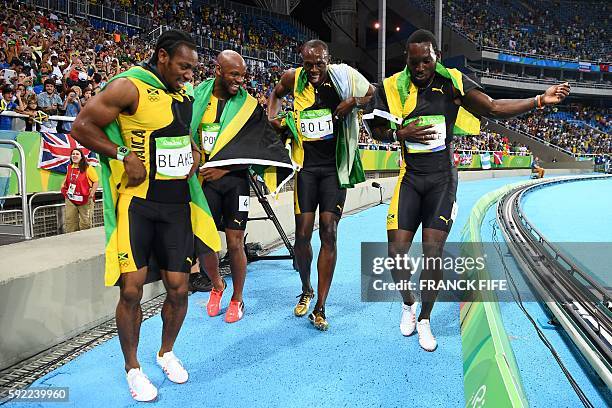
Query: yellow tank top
209	126
158	133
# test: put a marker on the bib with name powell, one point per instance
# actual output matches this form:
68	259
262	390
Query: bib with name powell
434	145
173	156
316	124
210	131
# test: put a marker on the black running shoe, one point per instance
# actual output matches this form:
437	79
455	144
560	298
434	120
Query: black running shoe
199	282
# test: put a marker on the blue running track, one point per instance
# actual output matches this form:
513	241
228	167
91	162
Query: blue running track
273	359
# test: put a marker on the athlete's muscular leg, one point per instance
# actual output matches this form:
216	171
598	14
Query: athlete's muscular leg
174	308
238	260
328	230
210	261
433	245
399	244
128	315
304	224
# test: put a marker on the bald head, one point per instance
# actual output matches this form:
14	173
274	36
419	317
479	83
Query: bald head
230	72
229	59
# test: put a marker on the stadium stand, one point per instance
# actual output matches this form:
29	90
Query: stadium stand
577	130
561	29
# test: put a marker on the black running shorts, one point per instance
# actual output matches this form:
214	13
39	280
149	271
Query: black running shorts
228	200
151	230
427	199
318	187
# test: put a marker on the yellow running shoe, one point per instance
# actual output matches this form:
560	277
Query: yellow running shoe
317	318
303	304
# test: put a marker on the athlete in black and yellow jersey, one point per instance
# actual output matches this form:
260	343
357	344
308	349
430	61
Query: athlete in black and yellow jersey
153	212
226	189
428	101
320	111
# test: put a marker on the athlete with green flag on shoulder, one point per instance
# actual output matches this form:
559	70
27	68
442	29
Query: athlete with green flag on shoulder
235	136
324	134
423	107
153	203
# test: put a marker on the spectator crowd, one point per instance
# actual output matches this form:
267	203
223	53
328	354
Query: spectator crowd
555	28
573	131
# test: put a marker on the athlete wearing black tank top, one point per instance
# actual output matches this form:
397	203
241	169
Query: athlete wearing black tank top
428	183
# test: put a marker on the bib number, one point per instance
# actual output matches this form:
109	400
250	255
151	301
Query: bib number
210	131
173	156
439	143
71	195
243	203
316	124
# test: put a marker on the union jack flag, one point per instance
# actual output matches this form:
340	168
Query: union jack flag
55	149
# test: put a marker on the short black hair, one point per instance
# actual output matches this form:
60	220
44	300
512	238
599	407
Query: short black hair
49	81
423	36
8	88
170	41
315	44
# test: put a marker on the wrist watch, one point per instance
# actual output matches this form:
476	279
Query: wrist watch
122	152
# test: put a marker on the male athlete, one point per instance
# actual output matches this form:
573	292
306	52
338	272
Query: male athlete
153	112
235	134
428	99
323	122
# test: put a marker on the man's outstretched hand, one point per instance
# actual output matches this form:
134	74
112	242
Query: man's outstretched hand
556	94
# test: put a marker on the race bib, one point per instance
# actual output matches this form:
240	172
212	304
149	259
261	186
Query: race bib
316	124
173	156
243	203
439	126
73	197
210	131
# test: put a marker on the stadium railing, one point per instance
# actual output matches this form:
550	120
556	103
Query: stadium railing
515	78
539	56
83	8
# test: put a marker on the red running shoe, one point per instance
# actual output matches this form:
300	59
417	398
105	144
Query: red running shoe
214	301
235	311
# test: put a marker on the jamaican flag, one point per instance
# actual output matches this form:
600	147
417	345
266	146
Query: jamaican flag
245	137
399	99
202	222
347	82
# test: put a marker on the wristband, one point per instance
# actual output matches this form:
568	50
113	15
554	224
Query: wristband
394	135
539	104
122	152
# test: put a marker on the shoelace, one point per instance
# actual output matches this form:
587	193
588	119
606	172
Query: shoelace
303	297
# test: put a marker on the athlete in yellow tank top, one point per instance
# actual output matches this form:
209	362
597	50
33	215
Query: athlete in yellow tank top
153	212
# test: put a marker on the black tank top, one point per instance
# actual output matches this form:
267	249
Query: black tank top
322	153
436	99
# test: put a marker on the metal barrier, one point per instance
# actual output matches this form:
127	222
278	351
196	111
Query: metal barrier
21	183
97	219
32	211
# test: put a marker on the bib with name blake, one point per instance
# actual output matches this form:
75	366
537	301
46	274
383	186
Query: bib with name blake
173	156
316	124
439	126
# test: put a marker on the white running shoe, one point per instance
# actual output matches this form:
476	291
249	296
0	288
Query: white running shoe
408	319
173	368
426	339
141	387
